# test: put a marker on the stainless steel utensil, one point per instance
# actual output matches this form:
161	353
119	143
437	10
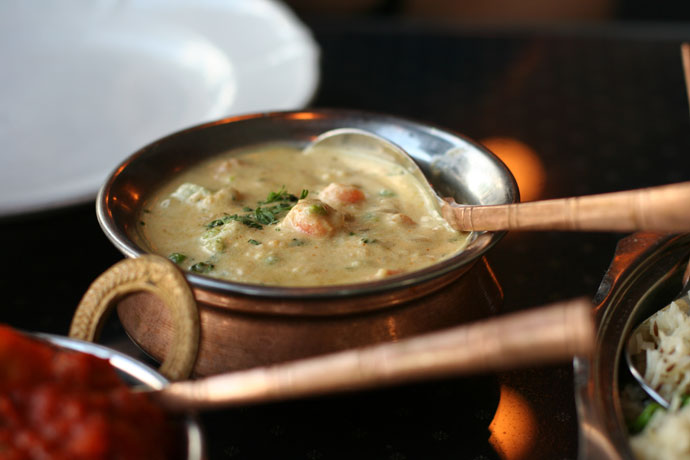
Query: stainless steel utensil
361	142
652	209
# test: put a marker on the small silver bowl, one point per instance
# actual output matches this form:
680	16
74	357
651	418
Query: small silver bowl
245	325
135	374
644	276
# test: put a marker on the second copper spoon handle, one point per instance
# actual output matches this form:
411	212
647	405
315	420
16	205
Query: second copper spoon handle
548	334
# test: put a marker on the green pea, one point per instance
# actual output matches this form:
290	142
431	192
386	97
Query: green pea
202	267
177	258
317	209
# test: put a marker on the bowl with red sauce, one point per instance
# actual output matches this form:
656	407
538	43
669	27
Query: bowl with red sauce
64	398
247	324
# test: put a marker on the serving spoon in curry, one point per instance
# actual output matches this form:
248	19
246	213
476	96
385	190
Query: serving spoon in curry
662	208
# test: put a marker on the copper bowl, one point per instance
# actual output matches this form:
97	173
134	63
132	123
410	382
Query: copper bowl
644	276
245	325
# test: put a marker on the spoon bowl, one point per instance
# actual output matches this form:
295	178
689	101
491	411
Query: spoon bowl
361	142
653	209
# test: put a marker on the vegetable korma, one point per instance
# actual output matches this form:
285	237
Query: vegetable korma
278	216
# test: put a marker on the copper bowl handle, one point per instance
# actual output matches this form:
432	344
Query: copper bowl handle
160	277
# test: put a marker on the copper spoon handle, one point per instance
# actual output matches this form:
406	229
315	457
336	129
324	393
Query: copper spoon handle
663	209
548	334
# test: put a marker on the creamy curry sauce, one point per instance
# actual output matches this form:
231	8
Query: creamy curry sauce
278	216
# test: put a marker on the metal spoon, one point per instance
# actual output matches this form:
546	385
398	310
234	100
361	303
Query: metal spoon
548	334
360	142
635	358
661	209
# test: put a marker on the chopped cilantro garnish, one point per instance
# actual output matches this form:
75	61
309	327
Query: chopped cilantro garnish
266	216
177	258
254	242
202	267
304	194
280	195
262	215
367	240
247	220
218	222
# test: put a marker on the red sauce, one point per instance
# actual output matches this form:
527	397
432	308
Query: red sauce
57	404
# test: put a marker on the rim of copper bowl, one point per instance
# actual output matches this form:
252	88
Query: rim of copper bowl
480	242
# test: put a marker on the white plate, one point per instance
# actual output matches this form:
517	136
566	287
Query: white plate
85	83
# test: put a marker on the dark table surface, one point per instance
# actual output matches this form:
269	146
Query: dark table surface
603	108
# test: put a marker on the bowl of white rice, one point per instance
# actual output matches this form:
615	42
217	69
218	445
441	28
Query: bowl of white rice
617	420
